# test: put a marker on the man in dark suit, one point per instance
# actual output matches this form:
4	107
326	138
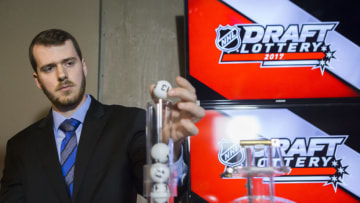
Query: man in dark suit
83	151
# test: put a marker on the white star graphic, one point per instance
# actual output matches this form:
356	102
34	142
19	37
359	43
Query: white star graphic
322	62
323	48
334	163
329	54
341	170
333	178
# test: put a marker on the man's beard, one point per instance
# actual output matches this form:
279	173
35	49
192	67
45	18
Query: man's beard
66	103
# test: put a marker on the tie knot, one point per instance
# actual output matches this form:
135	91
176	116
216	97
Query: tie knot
69	125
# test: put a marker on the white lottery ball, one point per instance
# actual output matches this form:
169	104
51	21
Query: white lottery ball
161	88
160	187
159	173
160	193
160	152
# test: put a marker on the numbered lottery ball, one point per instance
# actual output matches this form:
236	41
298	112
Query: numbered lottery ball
161	88
160	152
160	193
159	188
159	173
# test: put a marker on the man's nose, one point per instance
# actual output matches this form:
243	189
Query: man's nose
61	72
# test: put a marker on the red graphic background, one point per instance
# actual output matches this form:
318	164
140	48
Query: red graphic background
206	170
249	81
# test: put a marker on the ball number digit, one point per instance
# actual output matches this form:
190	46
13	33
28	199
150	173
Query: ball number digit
161	88
159	173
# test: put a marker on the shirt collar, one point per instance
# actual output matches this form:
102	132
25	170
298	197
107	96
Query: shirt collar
79	114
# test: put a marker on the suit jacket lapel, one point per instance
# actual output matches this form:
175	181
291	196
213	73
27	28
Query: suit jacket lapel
93	126
49	157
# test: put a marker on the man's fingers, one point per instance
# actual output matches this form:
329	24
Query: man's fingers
190	107
183	94
151	87
185	91
182	82
190	127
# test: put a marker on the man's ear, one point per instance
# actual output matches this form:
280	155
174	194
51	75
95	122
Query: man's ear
84	67
36	77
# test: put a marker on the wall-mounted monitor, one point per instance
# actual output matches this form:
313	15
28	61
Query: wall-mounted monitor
282	51
319	142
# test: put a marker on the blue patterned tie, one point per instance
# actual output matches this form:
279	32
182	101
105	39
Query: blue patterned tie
68	151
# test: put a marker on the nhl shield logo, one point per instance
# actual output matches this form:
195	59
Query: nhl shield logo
228	38
230	154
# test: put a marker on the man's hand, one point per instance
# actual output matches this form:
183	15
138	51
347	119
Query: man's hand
185	113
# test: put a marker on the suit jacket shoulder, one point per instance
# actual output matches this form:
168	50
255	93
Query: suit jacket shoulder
109	161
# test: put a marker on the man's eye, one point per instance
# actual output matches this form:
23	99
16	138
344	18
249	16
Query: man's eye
69	63
47	68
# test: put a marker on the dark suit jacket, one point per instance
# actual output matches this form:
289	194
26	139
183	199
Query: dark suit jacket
108	167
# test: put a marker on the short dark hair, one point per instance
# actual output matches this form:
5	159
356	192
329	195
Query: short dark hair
51	37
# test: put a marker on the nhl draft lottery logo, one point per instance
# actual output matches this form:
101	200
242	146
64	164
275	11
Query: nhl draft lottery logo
228	38
230	154
311	159
297	45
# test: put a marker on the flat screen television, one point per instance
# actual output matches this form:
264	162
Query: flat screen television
319	142
246	51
